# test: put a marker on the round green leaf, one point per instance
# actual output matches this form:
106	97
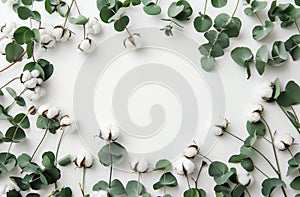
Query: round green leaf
202	23
24	12
121	24
292	45
7	162
62	8
261	59
13	52
152	9
22	120
291	95
132	188
295	184
242	56
79	20
247	164
207	63
191	193
112	153
218	3
117	15
187	11
217	168
48	159
106	14
15	134
27	2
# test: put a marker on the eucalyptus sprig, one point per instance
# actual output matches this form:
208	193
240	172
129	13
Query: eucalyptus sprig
181	11
226	27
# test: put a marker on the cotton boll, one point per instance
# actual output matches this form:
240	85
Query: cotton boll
109	132
93	26
86	46
184	166
30	84
257	108
218	131
43	109
61	34
84	160
191	151
134	41
35	73
52	112
245	178
3	43
266	91
47	41
25	76
39	81
8	29
140	166
254	117
283	141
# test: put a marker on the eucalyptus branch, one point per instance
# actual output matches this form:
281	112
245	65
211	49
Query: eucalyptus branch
205	157
139	184
82	185
14	102
205	7
235	9
68	13
198	174
258	17
287	115
58	145
41	141
14	62
294	112
6	84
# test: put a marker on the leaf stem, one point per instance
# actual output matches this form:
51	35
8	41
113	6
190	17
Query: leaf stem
205	7
258	17
297	26
295	114
139	183
235	9
68	13
275	153
111	166
205	157
58	145
14	102
199	172
257	168
247	191
188	181
40	143
6	84
14	62
83	180
286	114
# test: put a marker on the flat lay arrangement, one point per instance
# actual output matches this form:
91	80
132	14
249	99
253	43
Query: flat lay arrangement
149	98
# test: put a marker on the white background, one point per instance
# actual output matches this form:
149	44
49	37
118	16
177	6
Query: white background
239	95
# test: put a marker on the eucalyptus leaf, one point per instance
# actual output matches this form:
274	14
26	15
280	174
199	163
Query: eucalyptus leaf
15	134
202	23
166	180
270	184
292	45
112	153
135	189
163	165
22	120
13	52
152	9
207	63
174	10
261	59
260	32
193	192
248	164
295	184
242	56
117	15
7	162
121	24
291	95
79	20
218	3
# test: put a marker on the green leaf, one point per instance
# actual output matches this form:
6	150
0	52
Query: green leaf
23	160
112	153
121	24
238	191
117	15
175	10
297	2
261	59
279	54
237	158
186	13
11	92
66	160
36	35
79	20
163	164
217	168
23	35
62	9
223	190
227	24
7	162
291	95
218	3
116	188
13	52
260	32
47	68
207	63
42	122
256	6
15	134
277	88
242	56
247	164
292	45
152	9
27	2
270	184
19	182
106	14
245	150
24	13
22	120
295	184
258	128
48	159
20	101
166	180
146	2
134	189
49	7
202	23
193	192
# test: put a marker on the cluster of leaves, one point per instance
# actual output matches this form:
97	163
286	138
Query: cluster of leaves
167	179
288	15
225	27
22	8
61	7
226	180
181	11
243	56
113	11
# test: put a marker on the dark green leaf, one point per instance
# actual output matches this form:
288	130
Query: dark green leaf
237	158
22	120
187	11
291	95
7	162
48	159
193	192
202	23
19	182
106	14
27	2
122	23
295	184
152	9
247	164
20	101
292	45
15	134
261	59
66	160
166	180
270	184
258	129
13	52
175	10
260	32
